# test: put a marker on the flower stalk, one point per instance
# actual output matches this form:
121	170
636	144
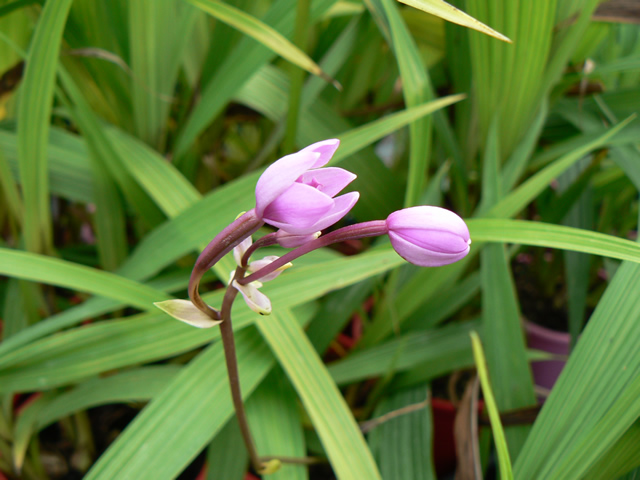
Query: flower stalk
374	228
222	244
231	360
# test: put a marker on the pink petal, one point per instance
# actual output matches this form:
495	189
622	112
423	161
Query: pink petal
280	175
428	217
325	148
419	256
434	240
341	207
299	207
330	180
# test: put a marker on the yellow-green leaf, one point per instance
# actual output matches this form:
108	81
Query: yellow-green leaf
262	33
452	14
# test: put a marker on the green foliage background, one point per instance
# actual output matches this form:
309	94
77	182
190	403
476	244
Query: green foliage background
136	130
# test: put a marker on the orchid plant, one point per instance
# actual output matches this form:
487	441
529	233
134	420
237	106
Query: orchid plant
297	195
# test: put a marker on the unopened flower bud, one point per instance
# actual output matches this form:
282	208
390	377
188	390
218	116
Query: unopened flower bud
428	236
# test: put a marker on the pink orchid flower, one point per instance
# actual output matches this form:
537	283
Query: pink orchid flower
428	236
296	195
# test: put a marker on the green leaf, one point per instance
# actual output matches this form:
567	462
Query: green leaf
9	190
10	7
136	385
540	234
452	14
227	456
504	461
261	32
616	421
620	459
506	350
109	219
403	445
35	106
39	268
68	163
436	351
592	392
276	424
25	427
103	149
329	413
416	88
168	188
525	193
504	339
158	35
246	58
148	337
132	386
190	411
355	139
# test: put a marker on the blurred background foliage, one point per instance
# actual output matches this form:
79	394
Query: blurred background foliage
131	132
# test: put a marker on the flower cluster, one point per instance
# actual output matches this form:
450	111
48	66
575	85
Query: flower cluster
298	195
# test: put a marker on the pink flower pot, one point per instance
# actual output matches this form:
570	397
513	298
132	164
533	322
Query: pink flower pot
546	372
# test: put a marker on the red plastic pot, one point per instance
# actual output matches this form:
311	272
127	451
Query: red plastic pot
444	445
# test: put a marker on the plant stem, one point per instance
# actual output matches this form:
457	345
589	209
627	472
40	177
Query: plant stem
228	343
222	244
266	241
374	228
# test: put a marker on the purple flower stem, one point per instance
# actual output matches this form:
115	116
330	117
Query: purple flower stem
266	241
229	346
222	244
374	228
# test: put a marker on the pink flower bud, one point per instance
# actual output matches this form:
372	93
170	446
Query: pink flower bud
296	195
428	236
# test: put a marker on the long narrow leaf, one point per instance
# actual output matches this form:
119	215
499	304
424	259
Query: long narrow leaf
338	431
39	268
452	14
35	106
504	461
524	232
189	412
261	32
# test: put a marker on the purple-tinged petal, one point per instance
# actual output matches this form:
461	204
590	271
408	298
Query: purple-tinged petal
260	264
240	249
326	149
254	298
434	240
419	256
341	207
428	217
330	180
280	175
428	236
299	207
